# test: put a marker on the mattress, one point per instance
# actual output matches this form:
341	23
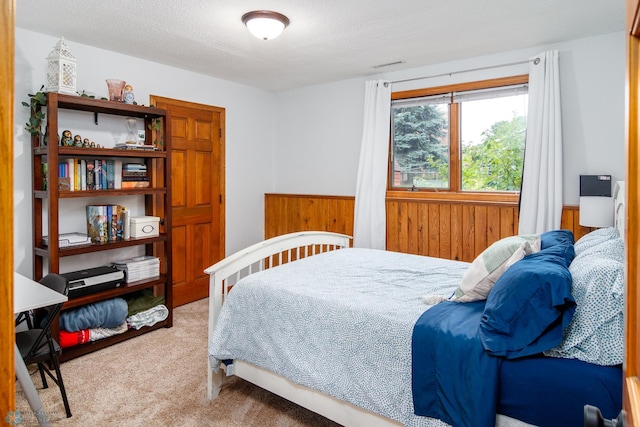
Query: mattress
341	323
344	330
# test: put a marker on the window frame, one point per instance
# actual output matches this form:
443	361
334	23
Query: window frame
454	192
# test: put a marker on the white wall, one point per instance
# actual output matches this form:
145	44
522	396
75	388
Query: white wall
318	128
249	129
307	140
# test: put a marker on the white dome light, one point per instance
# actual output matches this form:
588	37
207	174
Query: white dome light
264	24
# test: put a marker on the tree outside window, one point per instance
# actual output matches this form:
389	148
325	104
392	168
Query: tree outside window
478	134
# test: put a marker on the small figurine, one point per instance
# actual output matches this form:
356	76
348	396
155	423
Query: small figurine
93	144
127	95
77	141
86	143
67	139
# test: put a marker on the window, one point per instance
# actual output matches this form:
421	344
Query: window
460	138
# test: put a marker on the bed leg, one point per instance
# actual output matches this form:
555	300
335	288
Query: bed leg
215	382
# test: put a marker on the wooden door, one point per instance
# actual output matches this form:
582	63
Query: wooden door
7	375
197	194
631	385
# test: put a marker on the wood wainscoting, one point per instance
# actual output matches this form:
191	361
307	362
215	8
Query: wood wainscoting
458	230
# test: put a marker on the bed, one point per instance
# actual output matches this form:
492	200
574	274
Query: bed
377	338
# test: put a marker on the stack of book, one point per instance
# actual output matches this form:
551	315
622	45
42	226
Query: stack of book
107	223
134	175
89	174
139	268
126	146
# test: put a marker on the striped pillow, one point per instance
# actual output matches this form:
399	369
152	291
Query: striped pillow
491	264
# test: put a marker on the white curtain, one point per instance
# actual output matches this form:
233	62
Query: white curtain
369	228
541	196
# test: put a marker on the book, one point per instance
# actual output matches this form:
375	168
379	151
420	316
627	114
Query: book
96	223
90	179
138	260
134	178
135	184
97	171
103	175
134	173
134	167
116	223
70	173
105	223
139	268
110	179
108	209
126	223
64	184
83	174
117	174
76	175
135	147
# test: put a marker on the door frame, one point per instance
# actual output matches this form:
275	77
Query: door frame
7	124
631	384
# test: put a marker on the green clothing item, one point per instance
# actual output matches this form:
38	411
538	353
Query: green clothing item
143	300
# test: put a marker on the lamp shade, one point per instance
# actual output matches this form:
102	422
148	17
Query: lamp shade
596	203
265	24
596	211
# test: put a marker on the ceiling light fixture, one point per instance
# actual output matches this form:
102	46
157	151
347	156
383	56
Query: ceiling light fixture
265	24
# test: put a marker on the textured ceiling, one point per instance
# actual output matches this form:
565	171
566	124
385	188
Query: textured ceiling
327	40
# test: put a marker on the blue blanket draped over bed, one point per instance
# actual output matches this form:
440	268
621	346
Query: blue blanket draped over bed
461	391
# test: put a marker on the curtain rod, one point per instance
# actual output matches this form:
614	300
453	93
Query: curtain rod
536	61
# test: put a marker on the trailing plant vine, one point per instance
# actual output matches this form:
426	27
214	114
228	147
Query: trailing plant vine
36	116
156	127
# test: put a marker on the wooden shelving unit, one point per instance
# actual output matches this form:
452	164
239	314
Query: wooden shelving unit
46	205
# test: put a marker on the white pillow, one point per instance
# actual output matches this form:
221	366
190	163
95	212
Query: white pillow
491	264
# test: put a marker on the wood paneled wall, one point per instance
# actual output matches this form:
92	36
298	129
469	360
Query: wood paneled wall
458	230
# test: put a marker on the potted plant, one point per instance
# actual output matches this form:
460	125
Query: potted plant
34	125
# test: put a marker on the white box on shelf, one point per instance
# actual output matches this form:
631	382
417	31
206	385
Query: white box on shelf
145	226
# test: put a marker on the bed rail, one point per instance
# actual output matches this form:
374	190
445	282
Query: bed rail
260	256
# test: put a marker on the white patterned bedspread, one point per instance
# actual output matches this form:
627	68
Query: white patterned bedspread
339	322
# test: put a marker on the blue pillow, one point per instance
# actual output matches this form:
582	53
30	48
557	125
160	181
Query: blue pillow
556	237
530	305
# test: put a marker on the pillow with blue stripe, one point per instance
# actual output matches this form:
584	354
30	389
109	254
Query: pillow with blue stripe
491	264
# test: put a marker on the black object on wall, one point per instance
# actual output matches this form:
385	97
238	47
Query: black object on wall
595	185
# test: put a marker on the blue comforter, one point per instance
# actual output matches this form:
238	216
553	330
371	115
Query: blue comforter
461	391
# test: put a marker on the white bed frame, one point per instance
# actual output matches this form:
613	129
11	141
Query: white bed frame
262	255
275	251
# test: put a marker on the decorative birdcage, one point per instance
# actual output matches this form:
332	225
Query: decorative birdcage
61	70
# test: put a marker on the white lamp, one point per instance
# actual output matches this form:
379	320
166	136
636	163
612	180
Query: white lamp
596	211
265	24
61	70
596	203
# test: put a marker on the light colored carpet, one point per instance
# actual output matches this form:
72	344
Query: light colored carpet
160	379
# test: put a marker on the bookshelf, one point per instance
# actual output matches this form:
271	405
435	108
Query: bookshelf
48	209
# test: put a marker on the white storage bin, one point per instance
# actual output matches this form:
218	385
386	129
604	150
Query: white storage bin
145	226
